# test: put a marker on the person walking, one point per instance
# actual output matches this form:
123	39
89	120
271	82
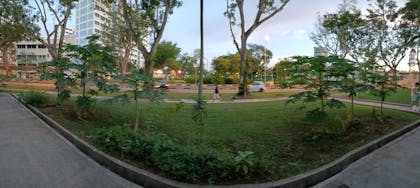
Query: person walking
414	96
216	95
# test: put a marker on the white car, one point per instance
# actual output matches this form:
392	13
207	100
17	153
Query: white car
257	87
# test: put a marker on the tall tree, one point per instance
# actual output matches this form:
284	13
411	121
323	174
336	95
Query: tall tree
258	56
189	64
167	52
394	37
146	21
115	35
59	12
227	65
266	9
15	24
411	17
337	32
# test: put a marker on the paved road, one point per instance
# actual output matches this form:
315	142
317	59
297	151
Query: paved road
400	107
396	164
33	155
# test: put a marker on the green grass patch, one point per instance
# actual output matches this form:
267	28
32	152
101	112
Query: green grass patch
228	96
401	96
283	142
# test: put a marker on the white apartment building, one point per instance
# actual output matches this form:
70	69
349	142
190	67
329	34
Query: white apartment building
31	53
320	51
34	52
91	16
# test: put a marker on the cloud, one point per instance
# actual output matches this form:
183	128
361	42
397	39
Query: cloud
300	34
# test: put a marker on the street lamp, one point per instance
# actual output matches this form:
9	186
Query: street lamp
266	38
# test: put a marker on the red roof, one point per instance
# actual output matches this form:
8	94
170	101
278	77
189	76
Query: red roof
11	67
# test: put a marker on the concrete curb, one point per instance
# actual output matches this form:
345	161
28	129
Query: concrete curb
148	179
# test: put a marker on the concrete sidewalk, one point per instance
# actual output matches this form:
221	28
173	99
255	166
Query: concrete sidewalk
33	155
393	106
394	165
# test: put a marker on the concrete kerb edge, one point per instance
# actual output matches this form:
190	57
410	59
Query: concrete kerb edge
148	179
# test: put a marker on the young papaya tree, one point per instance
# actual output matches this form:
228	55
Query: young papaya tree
383	86
350	80
319	74
137	89
64	78
93	63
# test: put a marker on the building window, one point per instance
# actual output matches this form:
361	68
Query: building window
31	46
41	46
20	46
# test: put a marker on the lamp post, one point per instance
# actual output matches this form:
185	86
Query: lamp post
266	38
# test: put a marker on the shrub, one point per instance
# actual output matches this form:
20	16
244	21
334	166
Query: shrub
115	139
159	151
209	79
190	79
228	80
34	98
85	104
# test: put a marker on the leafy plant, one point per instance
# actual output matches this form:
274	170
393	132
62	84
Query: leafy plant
383	86
161	152
321	75
94	63
137	82
244	162
34	98
64	78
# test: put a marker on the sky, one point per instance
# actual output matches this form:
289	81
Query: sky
288	31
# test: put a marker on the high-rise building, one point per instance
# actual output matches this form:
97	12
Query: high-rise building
320	51
91	18
69	37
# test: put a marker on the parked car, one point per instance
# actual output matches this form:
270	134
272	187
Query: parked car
257	87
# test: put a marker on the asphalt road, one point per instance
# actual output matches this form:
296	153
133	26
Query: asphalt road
33	155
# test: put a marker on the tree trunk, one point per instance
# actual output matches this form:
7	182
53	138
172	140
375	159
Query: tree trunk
123	61
352	108
136	126
243	85
5	58
394	74
382	107
148	71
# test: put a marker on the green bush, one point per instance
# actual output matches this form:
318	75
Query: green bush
114	139
190	79
228	80
34	98
209	79
85	104
159	151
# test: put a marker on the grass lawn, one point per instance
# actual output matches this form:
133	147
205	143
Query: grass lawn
27	86
401	96
227	96
283	142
